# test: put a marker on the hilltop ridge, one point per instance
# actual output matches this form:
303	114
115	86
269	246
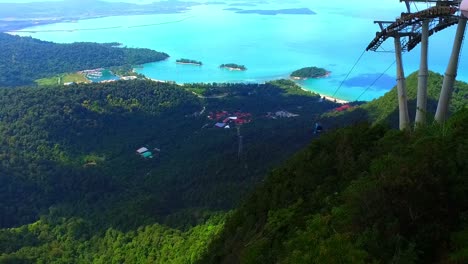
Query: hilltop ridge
384	110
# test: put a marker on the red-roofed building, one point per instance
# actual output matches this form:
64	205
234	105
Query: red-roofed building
343	108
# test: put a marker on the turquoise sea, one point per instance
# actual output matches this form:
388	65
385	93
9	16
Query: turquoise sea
270	46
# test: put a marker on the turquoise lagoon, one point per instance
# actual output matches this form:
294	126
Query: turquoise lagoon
106	75
271	47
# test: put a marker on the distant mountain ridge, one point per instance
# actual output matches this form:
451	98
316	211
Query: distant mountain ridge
15	16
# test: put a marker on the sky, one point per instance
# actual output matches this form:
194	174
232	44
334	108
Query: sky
384	9
363	3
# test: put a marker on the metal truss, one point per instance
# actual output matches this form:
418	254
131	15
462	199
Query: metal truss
408	26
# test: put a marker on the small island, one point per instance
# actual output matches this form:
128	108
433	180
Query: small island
233	67
187	61
309	72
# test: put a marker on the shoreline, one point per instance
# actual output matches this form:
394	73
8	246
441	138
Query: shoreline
333	99
307	78
189	63
327	97
233	69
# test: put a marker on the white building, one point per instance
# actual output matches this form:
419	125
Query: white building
142	150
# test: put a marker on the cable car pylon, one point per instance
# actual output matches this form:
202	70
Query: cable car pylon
451	73
409	30
421	101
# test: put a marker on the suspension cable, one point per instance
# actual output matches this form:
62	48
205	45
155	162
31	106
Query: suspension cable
347	75
375	81
415	6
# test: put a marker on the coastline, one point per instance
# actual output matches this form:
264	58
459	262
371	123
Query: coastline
232	69
327	97
306	78
189	63
333	99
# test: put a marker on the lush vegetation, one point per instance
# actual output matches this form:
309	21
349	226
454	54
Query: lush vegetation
384	110
359	195
74	189
233	66
61	143
309	72
126	70
187	61
75	240
24	60
62	79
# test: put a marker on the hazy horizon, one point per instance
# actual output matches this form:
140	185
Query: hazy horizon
296	41
364	3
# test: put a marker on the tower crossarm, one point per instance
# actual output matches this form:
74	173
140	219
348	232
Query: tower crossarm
455	3
441	25
411	22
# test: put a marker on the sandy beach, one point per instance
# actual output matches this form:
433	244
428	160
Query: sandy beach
327	97
333	99
188	63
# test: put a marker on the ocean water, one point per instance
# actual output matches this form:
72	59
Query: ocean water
106	76
271	47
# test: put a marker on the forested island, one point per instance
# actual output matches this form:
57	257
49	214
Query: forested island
187	61
24	59
309	72
233	67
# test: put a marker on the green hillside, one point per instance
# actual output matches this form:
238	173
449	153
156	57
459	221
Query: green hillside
73	188
24	60
384	110
73	240
359	195
74	145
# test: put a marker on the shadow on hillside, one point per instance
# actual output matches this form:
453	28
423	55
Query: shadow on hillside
359	115
348	118
392	119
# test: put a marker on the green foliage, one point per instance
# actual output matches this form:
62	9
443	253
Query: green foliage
309	72
68	165
48	135
189	61
233	66
62	79
24	59
74	240
384	110
359	195
125	70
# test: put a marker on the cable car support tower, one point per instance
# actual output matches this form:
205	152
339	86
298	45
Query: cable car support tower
410	29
